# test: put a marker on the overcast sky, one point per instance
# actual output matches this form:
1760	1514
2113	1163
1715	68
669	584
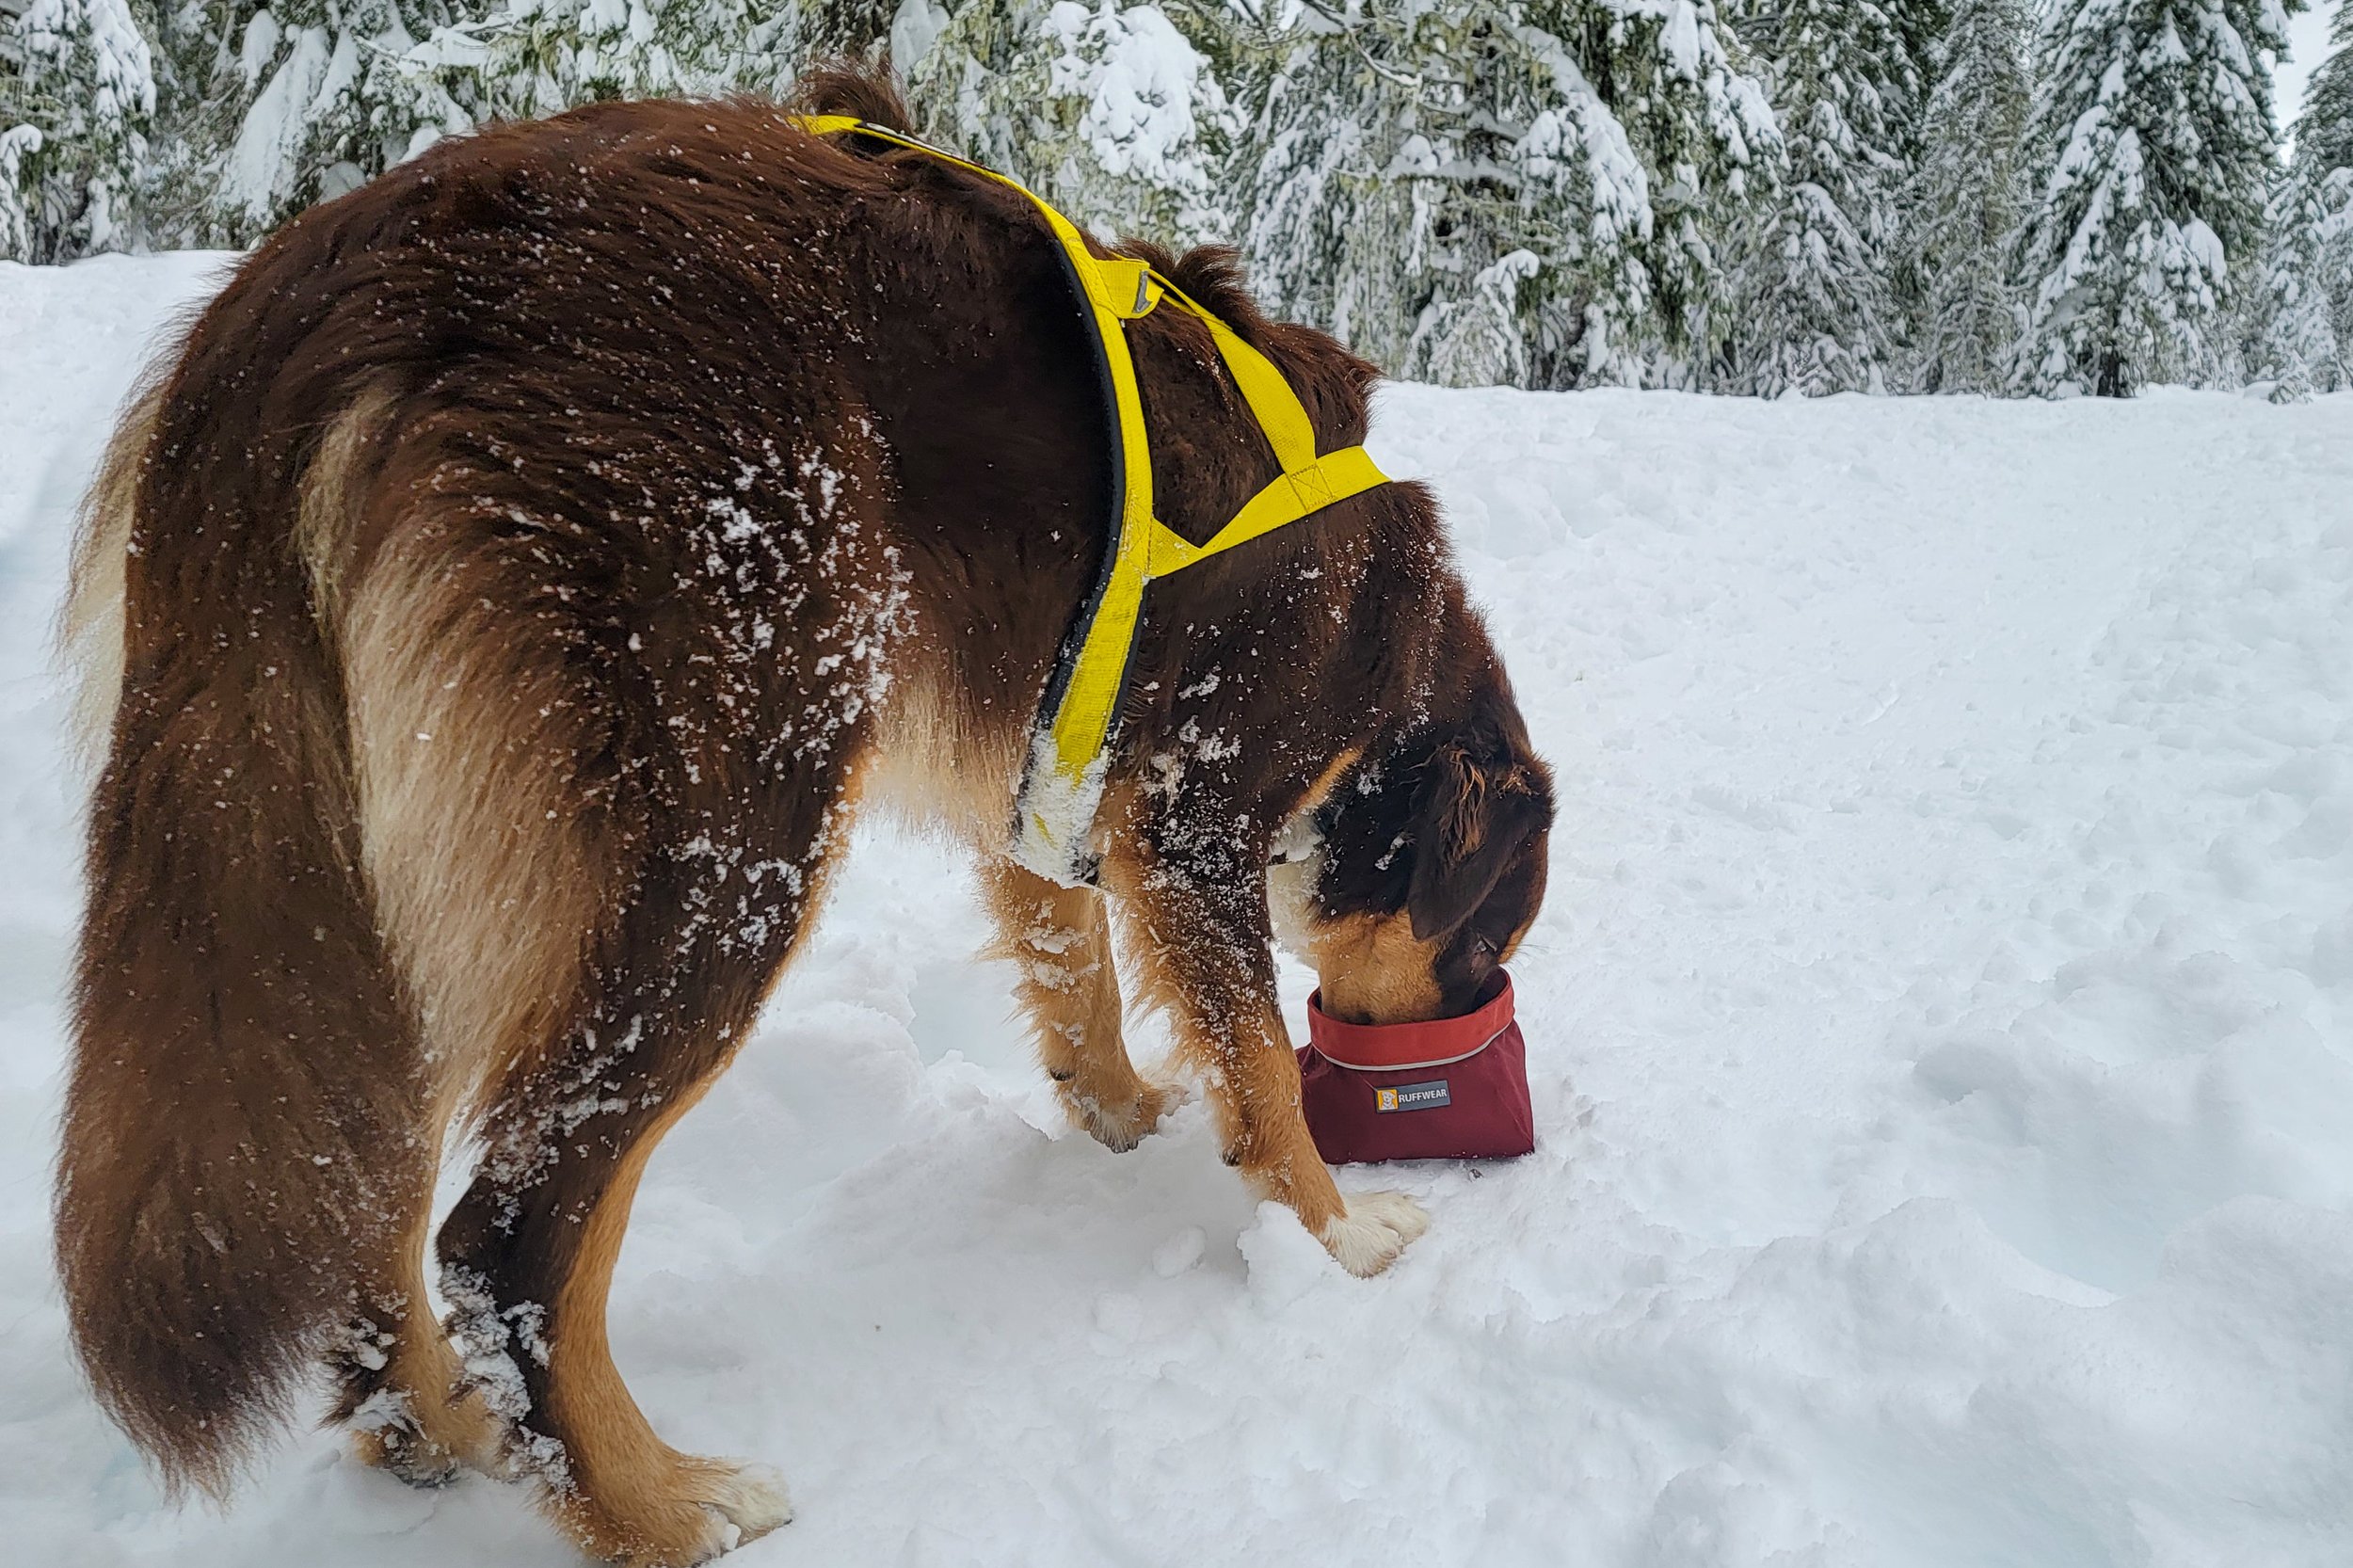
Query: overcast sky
2308	45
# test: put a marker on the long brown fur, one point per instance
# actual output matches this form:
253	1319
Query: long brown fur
528	567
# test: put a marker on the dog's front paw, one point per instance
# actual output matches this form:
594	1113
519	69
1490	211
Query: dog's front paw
1368	1235
1118	1121
747	1501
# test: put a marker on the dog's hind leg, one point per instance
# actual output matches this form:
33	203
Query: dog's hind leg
1061	940
590	881
697	866
400	1387
528	1254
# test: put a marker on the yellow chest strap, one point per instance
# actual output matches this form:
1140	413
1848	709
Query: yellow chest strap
1063	781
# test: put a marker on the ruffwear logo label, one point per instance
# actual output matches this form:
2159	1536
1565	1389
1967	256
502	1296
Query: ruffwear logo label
1412	1096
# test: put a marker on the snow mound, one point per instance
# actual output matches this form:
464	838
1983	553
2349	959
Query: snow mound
1941	1033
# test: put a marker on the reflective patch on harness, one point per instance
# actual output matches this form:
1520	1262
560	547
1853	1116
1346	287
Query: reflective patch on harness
1412	1096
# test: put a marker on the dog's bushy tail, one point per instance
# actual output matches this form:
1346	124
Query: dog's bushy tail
242	1115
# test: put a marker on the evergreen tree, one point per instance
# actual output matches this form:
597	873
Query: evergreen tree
2291	338
1967	199
275	105
865	29
70	167
2306	323
1545	192
1817	302
2324	132
1530	191
20	187
2152	144
527	58
1921	28
1111	112
271	107
193	44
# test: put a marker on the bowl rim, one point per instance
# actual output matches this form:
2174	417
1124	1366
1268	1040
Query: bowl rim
1400	1047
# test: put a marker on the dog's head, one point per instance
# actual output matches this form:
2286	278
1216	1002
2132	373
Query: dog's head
1430	871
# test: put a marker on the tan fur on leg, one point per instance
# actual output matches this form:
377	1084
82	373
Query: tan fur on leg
420	1423
626	1495
1229	1025
1257	1094
426	1439
1254	1081
1061	938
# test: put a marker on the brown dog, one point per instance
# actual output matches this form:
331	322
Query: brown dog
500	608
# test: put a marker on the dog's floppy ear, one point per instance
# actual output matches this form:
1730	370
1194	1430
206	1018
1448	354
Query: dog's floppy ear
1474	814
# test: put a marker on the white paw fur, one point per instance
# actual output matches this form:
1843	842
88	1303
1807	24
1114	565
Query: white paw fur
1376	1226
747	1501
1121	1130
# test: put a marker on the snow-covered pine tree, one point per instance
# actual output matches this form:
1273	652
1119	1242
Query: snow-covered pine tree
191	43
1328	232
277	105
1815	297
1530	191
270	107
20	189
861	29
20	143
1112	112
81	99
2305	328
1358	217
2323	131
1966	200
525	58
2151	146
2290	340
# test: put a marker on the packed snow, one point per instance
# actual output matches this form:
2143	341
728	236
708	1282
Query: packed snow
1940	1032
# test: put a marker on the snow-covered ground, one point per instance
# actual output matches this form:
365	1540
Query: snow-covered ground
1941	1030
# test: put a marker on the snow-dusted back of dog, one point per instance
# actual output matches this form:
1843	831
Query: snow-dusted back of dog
494	618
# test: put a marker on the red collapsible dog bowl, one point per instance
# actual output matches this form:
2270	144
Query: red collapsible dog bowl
1452	1089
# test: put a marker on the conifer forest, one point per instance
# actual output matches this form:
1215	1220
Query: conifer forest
2026	198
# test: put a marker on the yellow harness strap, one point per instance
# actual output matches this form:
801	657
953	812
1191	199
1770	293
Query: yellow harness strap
1070	744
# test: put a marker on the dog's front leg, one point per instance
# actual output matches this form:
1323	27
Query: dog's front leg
1198	907
1063	943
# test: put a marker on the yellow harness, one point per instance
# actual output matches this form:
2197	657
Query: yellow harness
1061	785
